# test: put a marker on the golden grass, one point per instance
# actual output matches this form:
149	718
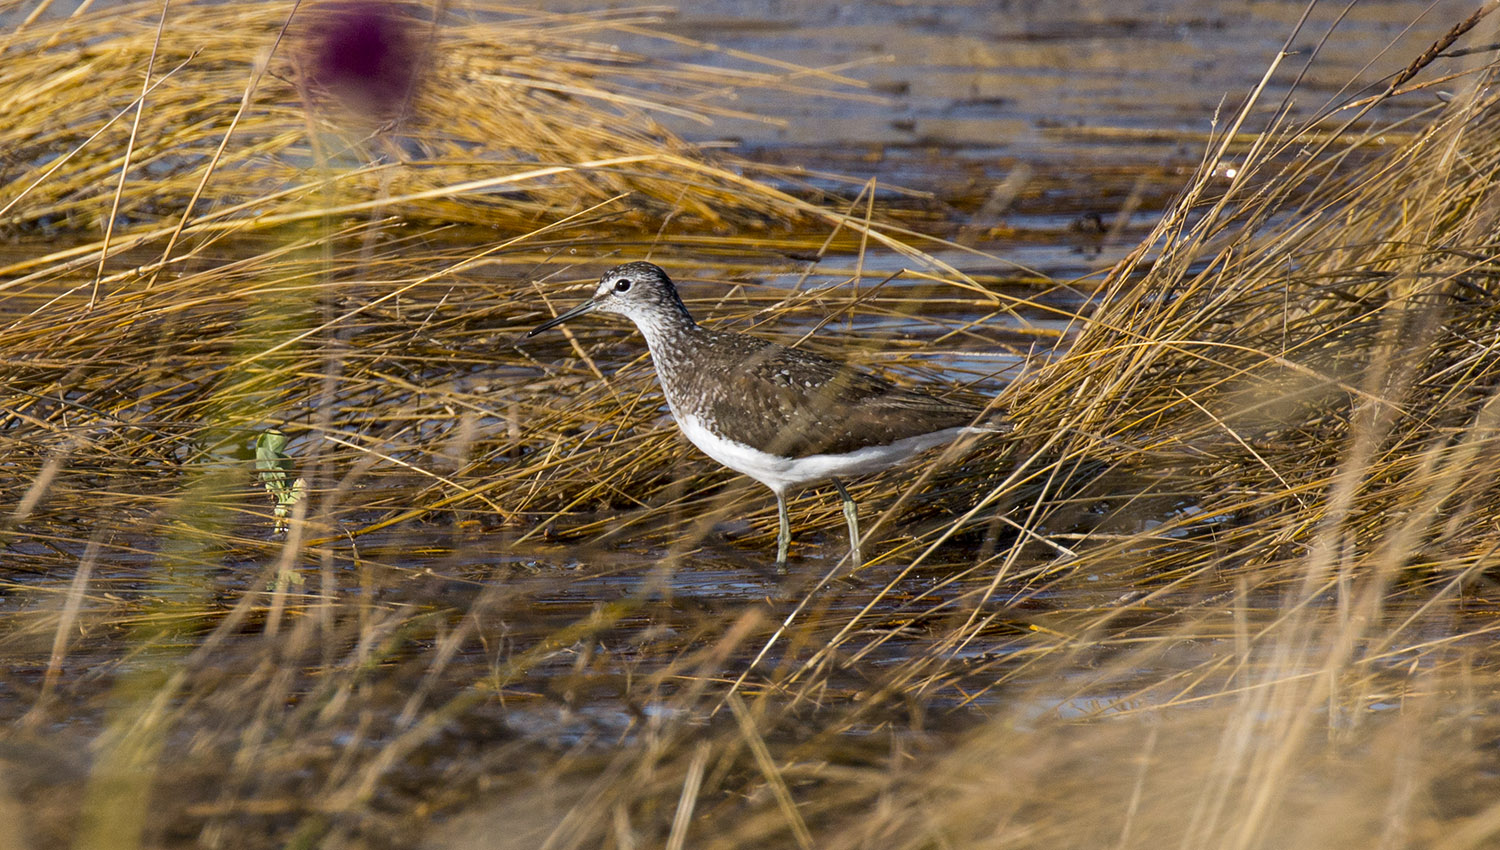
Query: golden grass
546	121
1240	595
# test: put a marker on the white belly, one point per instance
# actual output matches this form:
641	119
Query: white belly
779	473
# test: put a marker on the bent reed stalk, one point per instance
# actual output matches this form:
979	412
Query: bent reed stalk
1249	605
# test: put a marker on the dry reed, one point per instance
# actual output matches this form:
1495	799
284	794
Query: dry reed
1240	596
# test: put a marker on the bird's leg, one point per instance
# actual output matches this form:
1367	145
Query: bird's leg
784	532
853	520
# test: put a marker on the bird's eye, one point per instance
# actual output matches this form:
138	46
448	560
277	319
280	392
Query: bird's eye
623	284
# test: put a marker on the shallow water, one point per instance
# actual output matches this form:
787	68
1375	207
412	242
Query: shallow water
1072	111
1029	129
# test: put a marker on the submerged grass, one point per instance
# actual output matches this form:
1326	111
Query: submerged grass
1230	585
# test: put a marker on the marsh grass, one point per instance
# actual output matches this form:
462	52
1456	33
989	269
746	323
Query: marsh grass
1229	584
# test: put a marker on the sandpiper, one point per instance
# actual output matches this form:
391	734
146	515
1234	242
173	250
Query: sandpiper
779	415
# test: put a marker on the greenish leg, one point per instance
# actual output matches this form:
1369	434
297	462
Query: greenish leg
784	534
853	521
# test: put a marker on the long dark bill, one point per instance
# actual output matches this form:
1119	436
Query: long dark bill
581	309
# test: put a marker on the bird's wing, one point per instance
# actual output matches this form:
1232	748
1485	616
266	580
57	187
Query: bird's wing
794	403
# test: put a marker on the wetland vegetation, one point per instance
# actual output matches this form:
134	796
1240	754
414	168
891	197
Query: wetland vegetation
1230	583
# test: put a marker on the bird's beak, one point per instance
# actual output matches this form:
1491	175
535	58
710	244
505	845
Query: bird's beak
581	309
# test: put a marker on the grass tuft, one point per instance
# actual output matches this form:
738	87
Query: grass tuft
1229	584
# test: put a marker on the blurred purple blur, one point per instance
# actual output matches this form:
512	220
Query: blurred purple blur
364	56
